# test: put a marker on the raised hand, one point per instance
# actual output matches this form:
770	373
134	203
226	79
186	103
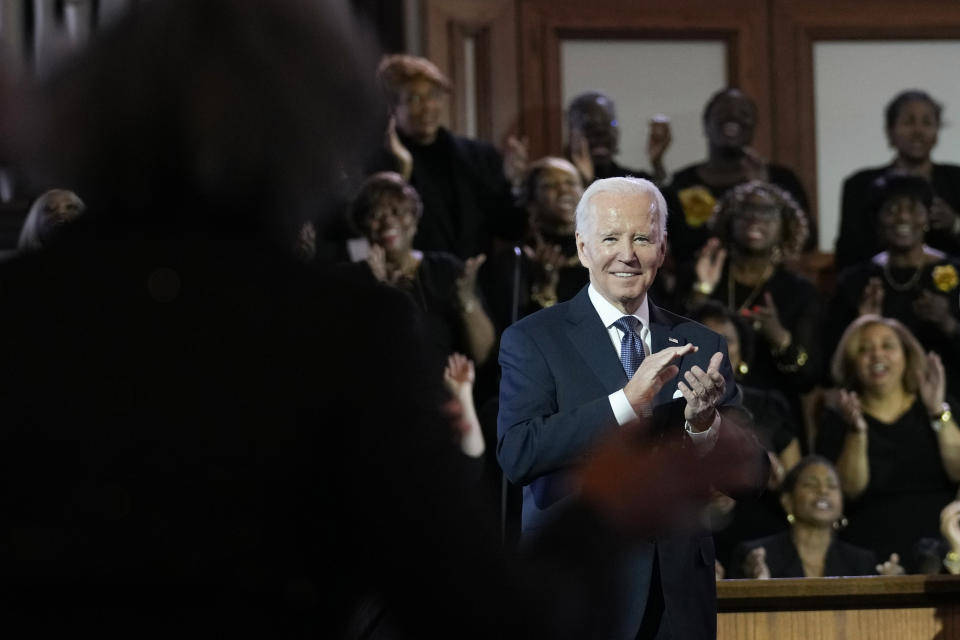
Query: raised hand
459	374
398	150
755	564
932	384
935	309
377	261
891	567
943	217
718	571
547	260
950	524
515	158
710	261
766	320
871	301
467	282
703	391
658	141
848	404
655	370
580	155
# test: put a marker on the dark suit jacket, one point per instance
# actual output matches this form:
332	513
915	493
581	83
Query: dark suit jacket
559	368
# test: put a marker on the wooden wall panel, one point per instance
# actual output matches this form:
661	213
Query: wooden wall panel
742	24
879	608
493	26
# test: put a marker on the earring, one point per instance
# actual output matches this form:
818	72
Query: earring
791	518
841	523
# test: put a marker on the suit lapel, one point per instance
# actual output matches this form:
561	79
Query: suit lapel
661	337
591	340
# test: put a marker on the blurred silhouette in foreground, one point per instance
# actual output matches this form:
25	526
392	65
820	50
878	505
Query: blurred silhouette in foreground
47	214
204	436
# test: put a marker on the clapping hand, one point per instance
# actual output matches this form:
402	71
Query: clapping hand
932	384
459	375
377	261
755	564
950	528
871	301
515	157
766	320
891	567
467	282
580	155
710	261
703	391
397	149
935	309
655	370
847	404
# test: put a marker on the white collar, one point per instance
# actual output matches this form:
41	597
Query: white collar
610	314
883	257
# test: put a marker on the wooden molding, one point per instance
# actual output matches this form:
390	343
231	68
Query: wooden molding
492	25
798	24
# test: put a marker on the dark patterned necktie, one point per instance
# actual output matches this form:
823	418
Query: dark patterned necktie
631	346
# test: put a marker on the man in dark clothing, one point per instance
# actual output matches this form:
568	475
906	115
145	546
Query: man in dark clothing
465	184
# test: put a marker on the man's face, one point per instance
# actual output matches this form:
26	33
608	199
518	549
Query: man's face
622	247
418	109
731	121
595	120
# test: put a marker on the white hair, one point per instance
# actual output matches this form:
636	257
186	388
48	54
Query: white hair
633	186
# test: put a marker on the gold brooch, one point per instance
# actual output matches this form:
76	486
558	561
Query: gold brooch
945	277
698	204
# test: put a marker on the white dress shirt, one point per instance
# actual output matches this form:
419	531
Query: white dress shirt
622	409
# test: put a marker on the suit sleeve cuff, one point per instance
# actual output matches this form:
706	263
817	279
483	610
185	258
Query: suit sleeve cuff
704	441
622	409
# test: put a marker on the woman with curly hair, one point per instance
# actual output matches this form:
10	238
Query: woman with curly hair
758	228
891	435
910	281
729	121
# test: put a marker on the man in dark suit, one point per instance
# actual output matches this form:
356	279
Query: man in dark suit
563	386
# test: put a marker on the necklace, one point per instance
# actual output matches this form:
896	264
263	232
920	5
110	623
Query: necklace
731	285
910	283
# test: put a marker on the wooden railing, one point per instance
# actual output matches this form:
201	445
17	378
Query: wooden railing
873	608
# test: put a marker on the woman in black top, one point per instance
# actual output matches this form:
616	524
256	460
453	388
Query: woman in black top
545	269
891	435
813	502
759	228
912	124
386	211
